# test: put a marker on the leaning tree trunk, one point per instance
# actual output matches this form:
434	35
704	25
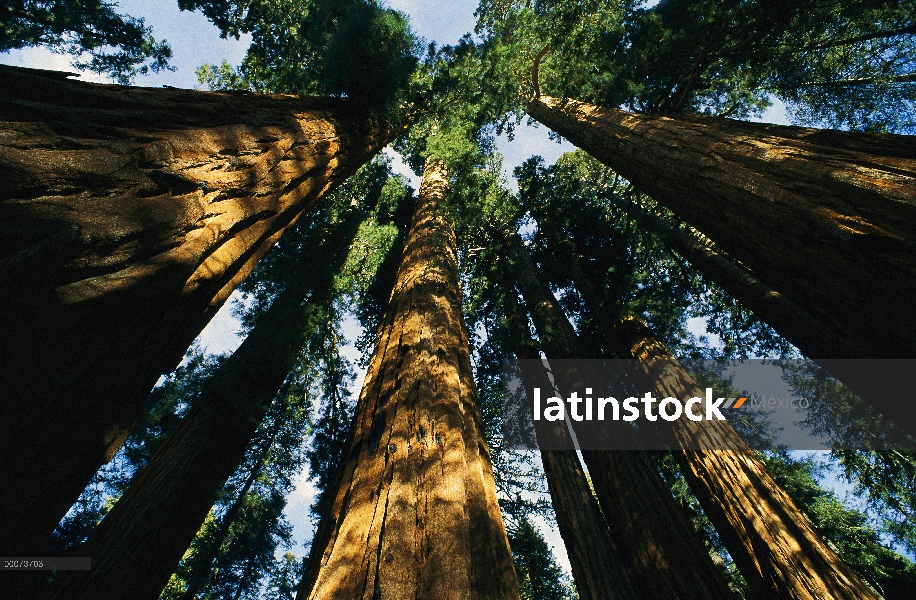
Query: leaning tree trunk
807	333
415	515
825	218
769	538
665	556
127	217
199	577
597	566
138	544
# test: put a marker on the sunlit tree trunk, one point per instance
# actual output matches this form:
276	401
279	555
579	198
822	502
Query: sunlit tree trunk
663	553
415	515
770	539
597	567
825	218
127	217
138	544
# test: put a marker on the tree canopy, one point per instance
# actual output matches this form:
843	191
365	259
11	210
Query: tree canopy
91	31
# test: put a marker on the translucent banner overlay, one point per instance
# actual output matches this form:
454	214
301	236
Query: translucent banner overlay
662	404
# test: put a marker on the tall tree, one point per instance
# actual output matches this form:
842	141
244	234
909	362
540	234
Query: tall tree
139	543
774	545
598	568
416	513
117	250
608	311
664	556
825	218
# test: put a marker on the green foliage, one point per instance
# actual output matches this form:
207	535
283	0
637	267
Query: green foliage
91	31
836	63
866	447
848	531
351	48
233	555
539	575
850	65
223	77
284	578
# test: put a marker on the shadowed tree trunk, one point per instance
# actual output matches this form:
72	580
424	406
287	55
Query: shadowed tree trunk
826	219
137	546
770	539
211	550
127	217
597	567
807	333
415	515
665	556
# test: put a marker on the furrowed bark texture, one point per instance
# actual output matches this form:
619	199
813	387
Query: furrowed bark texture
663	555
592	555
127	217
416	513
825	218
769	538
138	544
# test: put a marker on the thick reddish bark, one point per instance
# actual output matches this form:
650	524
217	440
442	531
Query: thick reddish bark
137	546
663	554
415	515
127	217
597	567
826	219
770	539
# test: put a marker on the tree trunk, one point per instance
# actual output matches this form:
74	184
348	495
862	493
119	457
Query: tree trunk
137	546
665	556
198	579
826	219
597	566
807	333
416	514
127	217
770	539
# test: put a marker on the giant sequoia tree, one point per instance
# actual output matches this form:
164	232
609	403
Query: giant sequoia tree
415	513
139	543
121	239
825	218
130	215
